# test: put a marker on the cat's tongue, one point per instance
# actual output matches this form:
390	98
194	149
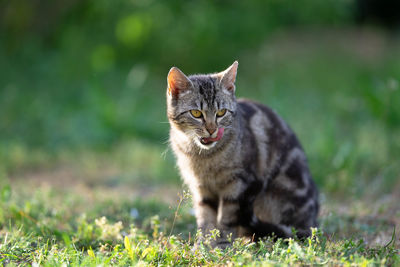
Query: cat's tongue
210	139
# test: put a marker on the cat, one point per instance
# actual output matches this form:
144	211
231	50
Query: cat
245	168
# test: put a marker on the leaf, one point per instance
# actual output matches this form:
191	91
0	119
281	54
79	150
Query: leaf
127	244
146	251
128	247
91	253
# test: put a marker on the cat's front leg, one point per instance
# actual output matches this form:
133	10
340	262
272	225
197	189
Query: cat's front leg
206	215
227	221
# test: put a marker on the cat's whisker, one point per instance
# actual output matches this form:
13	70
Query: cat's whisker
164	153
166	142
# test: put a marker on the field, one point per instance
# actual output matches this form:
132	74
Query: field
93	182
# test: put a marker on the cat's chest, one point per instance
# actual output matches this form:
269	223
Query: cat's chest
211	173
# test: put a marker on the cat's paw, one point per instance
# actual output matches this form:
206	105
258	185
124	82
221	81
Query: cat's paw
223	244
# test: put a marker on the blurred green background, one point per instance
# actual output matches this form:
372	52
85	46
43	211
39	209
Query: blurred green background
82	84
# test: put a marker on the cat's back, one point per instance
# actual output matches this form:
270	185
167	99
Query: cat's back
258	114
268	138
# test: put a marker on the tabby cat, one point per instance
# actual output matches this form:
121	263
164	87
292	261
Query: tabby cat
243	164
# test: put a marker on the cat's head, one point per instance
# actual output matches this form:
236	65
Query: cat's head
202	107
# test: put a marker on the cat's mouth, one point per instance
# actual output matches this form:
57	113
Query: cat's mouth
210	140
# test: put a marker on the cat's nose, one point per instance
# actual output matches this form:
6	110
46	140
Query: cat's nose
211	129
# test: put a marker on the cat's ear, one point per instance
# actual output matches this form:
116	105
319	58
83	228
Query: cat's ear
228	77
177	82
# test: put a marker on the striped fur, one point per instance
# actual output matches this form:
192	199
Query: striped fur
255	180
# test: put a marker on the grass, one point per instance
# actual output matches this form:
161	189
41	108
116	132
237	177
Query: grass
94	184
52	226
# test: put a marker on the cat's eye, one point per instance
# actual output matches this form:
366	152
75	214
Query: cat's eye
196	113
221	112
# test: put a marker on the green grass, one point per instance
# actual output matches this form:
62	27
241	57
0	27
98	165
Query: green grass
87	150
51	226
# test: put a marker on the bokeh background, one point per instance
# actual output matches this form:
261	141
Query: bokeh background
82	97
